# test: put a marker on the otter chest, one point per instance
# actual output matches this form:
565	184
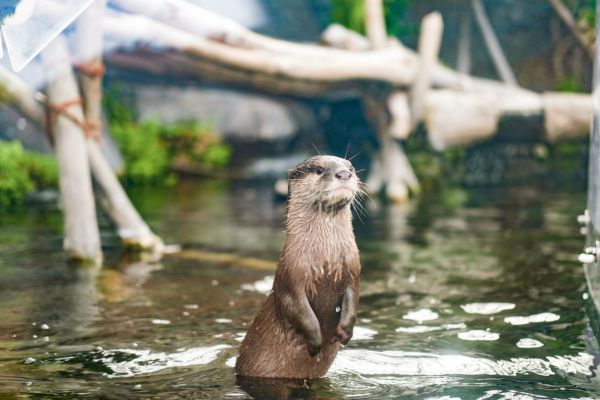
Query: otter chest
325	292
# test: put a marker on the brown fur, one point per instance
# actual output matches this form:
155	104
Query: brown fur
312	308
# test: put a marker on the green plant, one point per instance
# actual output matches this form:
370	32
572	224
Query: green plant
149	148
22	172
145	159
570	84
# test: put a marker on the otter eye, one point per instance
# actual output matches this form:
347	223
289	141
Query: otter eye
319	170
351	169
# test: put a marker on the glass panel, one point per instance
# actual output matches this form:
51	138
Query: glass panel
34	24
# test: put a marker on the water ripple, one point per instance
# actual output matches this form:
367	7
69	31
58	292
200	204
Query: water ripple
129	362
486	308
395	363
532	319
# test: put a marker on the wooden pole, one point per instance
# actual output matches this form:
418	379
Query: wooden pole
132	229
493	45
390	167
375	23
430	39
89	49
82	238
463	62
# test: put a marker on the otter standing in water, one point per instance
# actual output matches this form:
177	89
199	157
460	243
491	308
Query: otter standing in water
312	308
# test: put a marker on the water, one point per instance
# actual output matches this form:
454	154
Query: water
479	301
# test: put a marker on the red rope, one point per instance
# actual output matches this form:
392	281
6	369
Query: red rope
52	110
92	70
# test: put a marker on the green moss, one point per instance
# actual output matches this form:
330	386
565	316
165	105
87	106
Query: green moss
22	172
150	148
570	84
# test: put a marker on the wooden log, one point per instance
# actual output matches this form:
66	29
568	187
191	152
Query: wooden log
132	229
566	116
514	100
380	65
430	39
82	238
455	119
397	65
493	45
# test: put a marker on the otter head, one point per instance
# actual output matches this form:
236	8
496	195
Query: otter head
325	183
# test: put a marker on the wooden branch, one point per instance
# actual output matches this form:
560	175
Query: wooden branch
567	18
493	45
82	238
339	37
183	22
188	17
339	65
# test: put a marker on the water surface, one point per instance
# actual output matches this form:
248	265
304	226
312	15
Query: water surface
479	301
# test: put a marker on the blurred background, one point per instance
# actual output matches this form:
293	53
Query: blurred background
143	163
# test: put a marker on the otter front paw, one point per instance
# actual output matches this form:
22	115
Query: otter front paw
342	335
313	342
314	348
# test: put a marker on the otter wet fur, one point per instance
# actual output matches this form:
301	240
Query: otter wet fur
312	307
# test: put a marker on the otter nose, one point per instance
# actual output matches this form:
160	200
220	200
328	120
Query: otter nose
343	175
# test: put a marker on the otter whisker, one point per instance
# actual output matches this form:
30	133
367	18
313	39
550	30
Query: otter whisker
357	213
351	158
315	148
360	207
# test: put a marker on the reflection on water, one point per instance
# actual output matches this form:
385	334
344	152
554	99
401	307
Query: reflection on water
483	301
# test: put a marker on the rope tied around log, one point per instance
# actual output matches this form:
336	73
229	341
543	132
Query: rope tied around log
89	129
93	70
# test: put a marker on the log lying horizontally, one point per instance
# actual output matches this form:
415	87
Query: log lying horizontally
270	65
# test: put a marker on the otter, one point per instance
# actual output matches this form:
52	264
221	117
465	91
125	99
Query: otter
311	309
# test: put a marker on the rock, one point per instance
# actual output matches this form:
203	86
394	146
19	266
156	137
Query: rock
237	115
